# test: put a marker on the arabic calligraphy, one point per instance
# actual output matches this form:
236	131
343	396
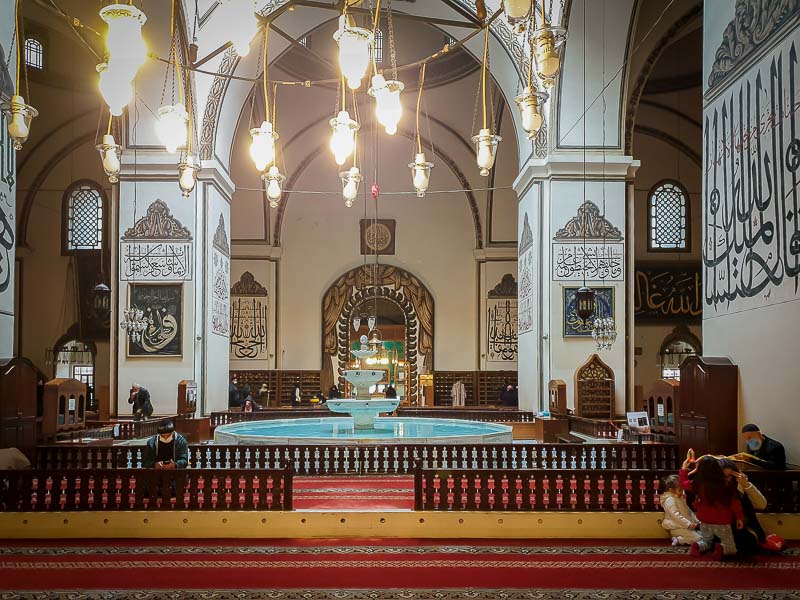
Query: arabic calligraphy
667	294
162	307
751	247
7	230
502	330
249	320
160	261
220	305
574	326
525	307
576	261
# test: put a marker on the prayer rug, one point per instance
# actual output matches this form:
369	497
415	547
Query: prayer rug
373	493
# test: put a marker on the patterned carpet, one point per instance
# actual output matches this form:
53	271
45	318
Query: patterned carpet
353	493
380	569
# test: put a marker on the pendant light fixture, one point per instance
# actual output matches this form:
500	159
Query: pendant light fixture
173	119
189	165
388	107
547	41
124	43
240	21
485	142
187	174
420	167
585	296
110	153
355	44
517	12
18	114
262	148
350	180
274	179
530	103
343	139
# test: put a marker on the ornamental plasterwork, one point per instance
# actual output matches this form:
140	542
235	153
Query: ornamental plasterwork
248	286
755	22
157	224
588	224
507	288
526	241
221	238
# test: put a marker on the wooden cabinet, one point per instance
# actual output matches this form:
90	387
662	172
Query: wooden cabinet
594	389
20	402
707	414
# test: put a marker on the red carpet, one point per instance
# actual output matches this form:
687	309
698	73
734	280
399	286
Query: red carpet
381	565
353	493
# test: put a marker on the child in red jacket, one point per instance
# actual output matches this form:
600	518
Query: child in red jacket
716	506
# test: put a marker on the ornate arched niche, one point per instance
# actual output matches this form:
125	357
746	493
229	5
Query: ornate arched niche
385	282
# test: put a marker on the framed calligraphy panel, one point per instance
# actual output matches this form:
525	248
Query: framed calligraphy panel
502	329
249	319
162	305
574	326
156	261
668	293
592	261
377	236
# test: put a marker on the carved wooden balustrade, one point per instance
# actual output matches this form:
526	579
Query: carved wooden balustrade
571	489
128	430
42	490
320	459
599	428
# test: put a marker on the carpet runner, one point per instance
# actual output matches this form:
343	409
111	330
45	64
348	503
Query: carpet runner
367	493
385	568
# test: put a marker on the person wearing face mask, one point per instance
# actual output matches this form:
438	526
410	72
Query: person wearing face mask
770	453
167	449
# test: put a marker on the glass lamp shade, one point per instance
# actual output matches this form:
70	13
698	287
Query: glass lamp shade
171	127
274	178
187	174
517	12
371	322
350	180
116	89
420	173
356	323
584	303
530	109
354	51
546	42
486	145
19	116
262	148
343	140
110	153
126	48
388	107
240	19
101	301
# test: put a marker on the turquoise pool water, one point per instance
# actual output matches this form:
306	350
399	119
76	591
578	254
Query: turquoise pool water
340	430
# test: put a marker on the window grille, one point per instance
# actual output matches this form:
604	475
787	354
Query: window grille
34	53
84	218
668	218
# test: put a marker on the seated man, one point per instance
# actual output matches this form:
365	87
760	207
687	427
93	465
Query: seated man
770	453
167	449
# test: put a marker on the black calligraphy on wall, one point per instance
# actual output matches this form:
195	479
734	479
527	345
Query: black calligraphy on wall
7	218
162	305
751	247
502	329
668	293
588	261
156	261
249	319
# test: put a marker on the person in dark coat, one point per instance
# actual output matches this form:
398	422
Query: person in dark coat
334	393
509	398
390	392
140	399
770	453
234	397
167	449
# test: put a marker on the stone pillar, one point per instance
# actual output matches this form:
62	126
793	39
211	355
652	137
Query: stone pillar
173	262
559	199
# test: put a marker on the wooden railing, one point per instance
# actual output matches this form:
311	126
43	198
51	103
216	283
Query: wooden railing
226	417
320	459
595	427
571	489
41	490
128	430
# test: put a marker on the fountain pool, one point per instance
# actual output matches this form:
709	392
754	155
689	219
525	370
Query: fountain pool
341	430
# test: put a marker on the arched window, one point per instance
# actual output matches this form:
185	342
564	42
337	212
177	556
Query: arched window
378	46
668	218
83	217
676	347
34	53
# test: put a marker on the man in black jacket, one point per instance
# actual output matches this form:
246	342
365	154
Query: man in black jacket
140	398
167	449
771	453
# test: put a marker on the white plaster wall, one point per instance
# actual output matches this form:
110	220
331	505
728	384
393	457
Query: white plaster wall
7	202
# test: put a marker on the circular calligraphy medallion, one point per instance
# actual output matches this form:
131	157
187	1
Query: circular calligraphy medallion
378	237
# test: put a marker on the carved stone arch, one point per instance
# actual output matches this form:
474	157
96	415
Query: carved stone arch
388	282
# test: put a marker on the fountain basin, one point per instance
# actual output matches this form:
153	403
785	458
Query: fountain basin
363	412
341	430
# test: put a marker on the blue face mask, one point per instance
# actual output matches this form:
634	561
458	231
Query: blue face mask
753	444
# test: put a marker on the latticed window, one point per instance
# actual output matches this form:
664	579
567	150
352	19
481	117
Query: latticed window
378	45
84	218
668	217
34	53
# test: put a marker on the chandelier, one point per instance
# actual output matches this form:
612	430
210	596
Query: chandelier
604	332
134	323
355	44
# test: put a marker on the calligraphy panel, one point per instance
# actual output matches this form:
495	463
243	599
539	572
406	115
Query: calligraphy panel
220	293
162	305
592	261
7	238
502	329
156	261
574	326
667	294
249	319
751	203
525	266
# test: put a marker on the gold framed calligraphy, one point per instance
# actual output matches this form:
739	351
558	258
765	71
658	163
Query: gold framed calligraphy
668	293
574	326
249	319
377	236
162	304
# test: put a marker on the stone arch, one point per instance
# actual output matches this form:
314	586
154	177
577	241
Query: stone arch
388	282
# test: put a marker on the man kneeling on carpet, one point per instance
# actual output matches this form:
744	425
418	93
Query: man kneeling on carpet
679	519
167	449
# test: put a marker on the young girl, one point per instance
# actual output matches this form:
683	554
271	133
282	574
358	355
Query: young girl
679	520
716	504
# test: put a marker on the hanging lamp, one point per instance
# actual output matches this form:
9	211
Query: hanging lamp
274	180
17	112
343	139
420	167
124	43
485	142
110	153
350	180
355	44
547	41
262	148
517	13
388	107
